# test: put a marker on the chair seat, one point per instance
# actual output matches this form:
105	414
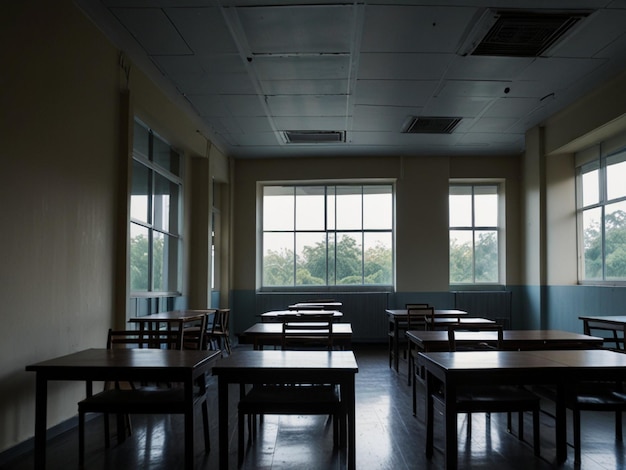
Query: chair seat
604	400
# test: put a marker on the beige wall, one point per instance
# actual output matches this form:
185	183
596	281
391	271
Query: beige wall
421	209
64	196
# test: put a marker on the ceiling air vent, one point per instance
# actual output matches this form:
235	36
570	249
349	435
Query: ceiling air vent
314	137
524	33
432	125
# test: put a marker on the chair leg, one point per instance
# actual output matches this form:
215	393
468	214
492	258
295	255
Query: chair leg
240	425
618	426
576	422
205	426
469	425
520	425
414	396
536	423
81	438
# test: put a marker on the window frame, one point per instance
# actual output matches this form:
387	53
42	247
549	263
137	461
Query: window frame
600	164
499	228
176	235
260	287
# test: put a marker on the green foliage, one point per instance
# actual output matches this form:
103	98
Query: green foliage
464	269
140	263
317	265
615	247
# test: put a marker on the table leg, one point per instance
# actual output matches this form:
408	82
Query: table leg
396	338
350	404
41	410
222	399
560	424
430	421
450	419
189	425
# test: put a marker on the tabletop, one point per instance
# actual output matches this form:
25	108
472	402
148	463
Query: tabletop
316	305
512	339
173	315
442	313
615	319
277	329
299	313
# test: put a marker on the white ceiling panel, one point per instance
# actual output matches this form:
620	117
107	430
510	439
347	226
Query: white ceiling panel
249	69
153	30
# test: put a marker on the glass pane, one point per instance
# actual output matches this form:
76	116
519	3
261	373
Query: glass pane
331	202
141	140
349	208
164	263
377	208
139	193
278	208
278	259
486	256
485	206
332	258
311	258
460	206
310	208
615	240
164	156
139	258
378	258
165	204
592	244
616	180
591	187
349	265
461	257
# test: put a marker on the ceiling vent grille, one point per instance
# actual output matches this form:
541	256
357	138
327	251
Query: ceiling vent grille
432	125
525	34
314	137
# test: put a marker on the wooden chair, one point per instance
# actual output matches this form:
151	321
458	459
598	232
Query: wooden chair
596	396
401	326
416	320
124	399
295	399
485	398
219	334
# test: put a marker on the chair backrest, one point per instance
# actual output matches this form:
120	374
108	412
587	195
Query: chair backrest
144	339
314	333
194	331
412	306
416	316
479	344
221	321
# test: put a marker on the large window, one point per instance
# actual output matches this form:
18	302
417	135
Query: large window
326	236
474	230
155	215
601	202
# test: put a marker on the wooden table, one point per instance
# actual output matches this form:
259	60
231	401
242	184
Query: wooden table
430	341
151	365
562	369
285	315
153	321
398	323
285	367
270	334
615	324
316	306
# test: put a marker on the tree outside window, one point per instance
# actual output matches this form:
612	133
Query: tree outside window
601	186
474	253
327	235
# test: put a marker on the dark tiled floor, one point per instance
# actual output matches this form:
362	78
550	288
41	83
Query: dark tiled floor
388	437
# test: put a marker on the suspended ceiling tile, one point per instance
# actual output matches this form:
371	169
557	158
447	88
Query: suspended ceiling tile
394	92
203	29
305	87
297	29
512	107
310	123
414	28
409	66
153	30
473	88
309	105
487	68
299	67
452	106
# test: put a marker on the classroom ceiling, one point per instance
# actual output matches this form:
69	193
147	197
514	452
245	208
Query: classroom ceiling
289	79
